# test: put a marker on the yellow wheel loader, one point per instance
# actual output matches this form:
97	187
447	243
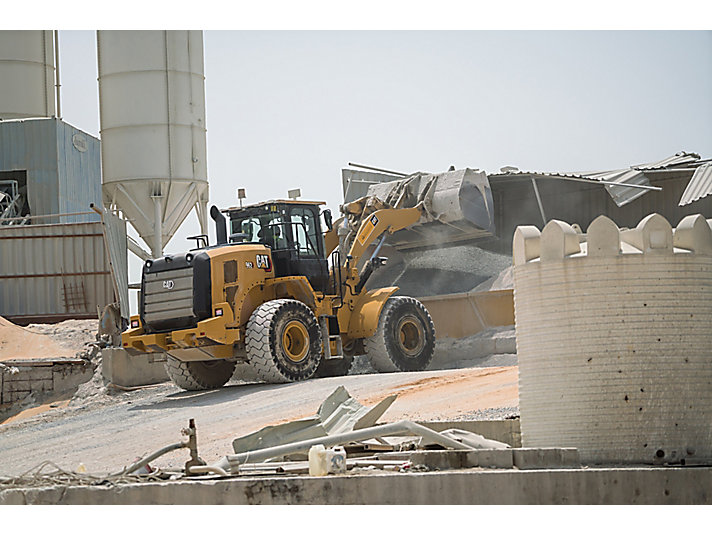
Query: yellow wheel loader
269	296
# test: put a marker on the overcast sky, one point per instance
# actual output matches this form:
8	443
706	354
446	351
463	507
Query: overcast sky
290	109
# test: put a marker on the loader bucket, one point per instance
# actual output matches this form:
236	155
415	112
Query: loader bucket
458	208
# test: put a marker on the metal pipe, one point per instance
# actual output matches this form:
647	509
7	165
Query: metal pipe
604	182
137	249
538	200
207	469
157	246
143	461
377	169
57	85
232	461
31	217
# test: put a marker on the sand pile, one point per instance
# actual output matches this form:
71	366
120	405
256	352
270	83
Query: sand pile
17	343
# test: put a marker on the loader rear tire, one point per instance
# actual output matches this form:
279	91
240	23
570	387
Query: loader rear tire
404	339
283	341
199	375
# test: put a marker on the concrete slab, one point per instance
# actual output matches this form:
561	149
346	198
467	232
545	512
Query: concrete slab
542	458
639	485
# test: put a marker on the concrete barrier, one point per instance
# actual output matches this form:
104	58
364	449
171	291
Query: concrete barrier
42	377
632	485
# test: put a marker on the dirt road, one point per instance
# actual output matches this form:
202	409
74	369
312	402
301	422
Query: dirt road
113	431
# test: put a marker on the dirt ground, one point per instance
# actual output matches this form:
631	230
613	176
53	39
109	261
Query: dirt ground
113	430
106	428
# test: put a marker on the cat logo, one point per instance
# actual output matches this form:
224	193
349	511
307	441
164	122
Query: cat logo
168	284
263	262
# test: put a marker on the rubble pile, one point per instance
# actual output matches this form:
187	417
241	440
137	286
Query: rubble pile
71	334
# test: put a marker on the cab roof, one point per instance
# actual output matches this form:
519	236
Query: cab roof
270	202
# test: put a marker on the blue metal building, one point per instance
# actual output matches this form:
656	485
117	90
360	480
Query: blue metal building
57	167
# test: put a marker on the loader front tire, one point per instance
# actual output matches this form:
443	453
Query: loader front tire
283	341
199	375
404	339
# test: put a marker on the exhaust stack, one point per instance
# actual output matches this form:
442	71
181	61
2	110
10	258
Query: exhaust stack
220	225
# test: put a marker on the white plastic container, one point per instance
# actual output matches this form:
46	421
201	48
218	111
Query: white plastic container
317	461
324	461
336	460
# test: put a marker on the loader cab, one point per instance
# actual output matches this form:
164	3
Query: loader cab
292	229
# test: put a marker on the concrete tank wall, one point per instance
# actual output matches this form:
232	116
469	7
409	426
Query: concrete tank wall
614	339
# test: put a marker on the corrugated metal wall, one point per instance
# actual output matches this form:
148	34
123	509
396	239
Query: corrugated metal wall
52	272
515	203
63	166
79	166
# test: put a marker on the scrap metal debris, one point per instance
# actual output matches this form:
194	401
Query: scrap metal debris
340	421
339	413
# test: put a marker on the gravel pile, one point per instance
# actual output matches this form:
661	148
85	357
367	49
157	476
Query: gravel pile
506	412
441	271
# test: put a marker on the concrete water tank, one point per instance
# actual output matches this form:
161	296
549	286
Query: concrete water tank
614	339
27	86
153	134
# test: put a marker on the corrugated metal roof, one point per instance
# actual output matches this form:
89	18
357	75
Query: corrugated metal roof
623	195
620	195
635	175
681	158
700	185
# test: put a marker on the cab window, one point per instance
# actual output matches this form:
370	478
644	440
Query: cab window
305	231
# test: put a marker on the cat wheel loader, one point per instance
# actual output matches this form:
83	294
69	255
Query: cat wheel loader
282	296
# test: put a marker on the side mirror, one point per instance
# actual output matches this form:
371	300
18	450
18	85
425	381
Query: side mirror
327	219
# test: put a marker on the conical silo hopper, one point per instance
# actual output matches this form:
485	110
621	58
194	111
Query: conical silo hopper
153	140
457	208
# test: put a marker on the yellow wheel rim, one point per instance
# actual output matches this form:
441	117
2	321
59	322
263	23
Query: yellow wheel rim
295	341
410	335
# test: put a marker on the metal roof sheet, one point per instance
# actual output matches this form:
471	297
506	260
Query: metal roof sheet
623	195
700	185
681	158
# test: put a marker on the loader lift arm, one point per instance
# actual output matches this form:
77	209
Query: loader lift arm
377	225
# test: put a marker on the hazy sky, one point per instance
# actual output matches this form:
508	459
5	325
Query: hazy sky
290	109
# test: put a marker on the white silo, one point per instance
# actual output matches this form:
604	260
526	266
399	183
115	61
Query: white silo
27	83
153	136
